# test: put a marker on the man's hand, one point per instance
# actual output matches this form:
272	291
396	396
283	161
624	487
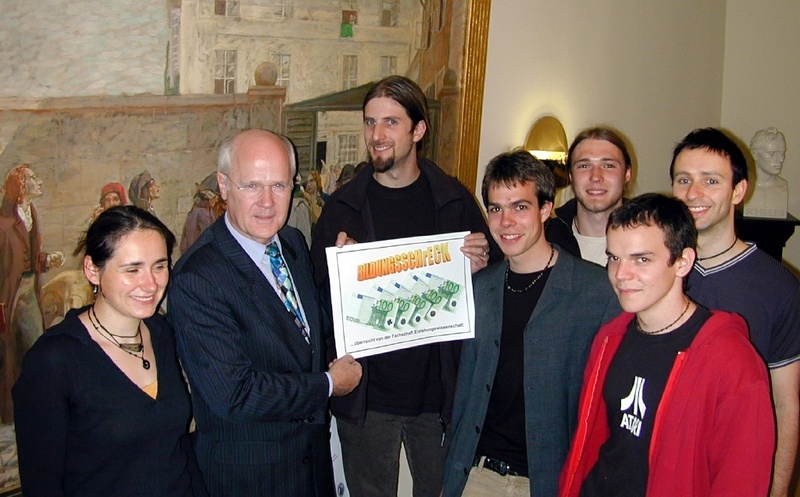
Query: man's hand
345	373
476	248
342	239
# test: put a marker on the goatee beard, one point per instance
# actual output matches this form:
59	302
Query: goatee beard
382	165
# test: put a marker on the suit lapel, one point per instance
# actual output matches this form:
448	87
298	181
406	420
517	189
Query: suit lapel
559	281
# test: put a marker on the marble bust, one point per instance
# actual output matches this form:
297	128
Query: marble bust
771	193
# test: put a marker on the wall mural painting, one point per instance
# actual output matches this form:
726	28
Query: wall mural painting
73	146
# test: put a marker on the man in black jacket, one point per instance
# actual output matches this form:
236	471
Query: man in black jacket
405	396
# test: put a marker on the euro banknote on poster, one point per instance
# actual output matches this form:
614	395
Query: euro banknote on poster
396	294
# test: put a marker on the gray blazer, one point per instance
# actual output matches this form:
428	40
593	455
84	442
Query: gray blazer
259	391
575	302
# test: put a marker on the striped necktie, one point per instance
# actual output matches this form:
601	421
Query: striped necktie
281	273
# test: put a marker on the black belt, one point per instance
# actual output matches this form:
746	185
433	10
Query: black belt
499	467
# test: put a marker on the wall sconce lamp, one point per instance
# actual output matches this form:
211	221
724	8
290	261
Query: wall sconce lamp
547	140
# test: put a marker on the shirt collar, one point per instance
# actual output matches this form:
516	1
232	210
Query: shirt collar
254	249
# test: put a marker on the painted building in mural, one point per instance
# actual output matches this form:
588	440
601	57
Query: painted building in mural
123	86
134	97
316	48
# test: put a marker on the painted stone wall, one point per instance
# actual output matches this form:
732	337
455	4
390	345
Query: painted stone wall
55	48
75	146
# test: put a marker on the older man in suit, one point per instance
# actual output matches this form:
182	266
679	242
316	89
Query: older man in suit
249	329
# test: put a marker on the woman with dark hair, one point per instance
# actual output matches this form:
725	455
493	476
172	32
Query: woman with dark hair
101	406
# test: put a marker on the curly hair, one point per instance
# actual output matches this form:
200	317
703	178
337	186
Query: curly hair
14	186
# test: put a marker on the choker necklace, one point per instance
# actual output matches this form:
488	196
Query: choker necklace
639	326
735	239
535	280
133	349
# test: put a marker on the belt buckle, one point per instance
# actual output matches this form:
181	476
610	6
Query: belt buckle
496	465
502	468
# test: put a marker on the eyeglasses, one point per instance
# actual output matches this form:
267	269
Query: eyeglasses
256	189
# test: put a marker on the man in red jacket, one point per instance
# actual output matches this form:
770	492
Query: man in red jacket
675	400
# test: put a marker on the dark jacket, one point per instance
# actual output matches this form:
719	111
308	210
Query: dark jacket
347	210
259	391
576	300
558	229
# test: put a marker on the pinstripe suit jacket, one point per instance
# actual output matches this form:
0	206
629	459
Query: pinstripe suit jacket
259	393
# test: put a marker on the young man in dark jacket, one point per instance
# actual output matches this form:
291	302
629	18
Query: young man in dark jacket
405	396
599	170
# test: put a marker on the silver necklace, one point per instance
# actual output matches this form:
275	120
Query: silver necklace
535	280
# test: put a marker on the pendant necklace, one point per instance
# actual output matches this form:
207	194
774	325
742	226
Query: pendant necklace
639	327
535	280
133	349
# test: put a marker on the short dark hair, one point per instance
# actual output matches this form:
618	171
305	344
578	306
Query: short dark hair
668	214
112	225
406	93
716	141
519	166
600	133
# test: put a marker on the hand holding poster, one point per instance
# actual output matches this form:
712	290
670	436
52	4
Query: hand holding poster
401	293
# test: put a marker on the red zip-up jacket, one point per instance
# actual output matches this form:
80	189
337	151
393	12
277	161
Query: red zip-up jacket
714	432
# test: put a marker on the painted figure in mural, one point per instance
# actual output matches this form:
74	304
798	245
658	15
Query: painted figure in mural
328	174
21	263
69	289
208	206
313	194
300	213
771	194
101	405
143	191
348	171
110	195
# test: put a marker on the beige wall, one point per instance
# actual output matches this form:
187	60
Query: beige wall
654	70
761	81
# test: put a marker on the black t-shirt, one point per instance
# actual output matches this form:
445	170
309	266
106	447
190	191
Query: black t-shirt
633	388
404	382
503	435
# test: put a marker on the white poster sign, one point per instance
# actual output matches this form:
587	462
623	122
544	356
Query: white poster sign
401	293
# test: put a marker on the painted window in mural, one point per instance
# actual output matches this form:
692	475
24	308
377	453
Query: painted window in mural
228	8
389	11
348	148
388	65
349	71
224	71
283	63
283	9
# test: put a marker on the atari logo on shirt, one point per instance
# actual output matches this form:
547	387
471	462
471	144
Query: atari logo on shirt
635	399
